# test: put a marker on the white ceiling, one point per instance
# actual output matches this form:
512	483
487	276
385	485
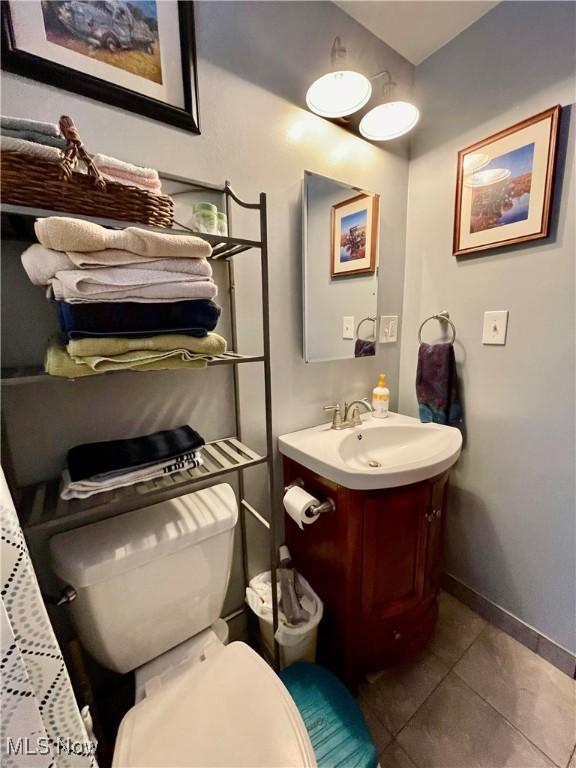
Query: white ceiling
416	28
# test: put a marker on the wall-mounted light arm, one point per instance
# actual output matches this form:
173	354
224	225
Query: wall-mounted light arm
340	92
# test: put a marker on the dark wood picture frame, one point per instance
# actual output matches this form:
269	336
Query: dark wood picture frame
554	114
373	245
34	67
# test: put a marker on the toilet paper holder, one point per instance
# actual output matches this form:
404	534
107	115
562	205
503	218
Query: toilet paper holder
325	506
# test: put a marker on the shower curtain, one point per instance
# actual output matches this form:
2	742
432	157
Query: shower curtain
40	724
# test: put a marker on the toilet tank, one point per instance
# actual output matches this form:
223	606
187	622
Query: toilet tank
149	579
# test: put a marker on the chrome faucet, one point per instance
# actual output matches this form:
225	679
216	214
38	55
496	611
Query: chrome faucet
351	414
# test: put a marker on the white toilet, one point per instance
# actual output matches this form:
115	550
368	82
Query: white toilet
151	584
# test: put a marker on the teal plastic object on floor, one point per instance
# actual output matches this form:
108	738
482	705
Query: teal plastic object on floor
333	719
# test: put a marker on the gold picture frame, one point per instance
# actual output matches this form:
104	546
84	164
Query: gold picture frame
504	186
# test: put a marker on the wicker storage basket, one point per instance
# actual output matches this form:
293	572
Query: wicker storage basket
58	187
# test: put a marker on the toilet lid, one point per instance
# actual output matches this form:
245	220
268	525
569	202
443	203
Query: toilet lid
229	710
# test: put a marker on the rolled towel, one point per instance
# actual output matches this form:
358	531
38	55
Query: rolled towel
120	167
66	234
122	284
42	264
208	346
38	138
131	319
91	459
24	124
31	149
82	489
58	362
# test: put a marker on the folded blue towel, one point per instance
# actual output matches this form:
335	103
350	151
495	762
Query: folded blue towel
91	459
194	317
437	386
38	138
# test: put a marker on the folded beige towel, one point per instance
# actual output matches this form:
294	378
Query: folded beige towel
31	149
42	264
125	284
208	346
66	234
143	361
113	257
59	363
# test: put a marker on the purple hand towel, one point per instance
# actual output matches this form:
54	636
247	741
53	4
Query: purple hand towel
437	387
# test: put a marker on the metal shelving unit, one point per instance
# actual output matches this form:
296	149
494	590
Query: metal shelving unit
40	506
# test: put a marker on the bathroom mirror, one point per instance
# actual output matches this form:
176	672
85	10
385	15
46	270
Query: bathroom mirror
340	269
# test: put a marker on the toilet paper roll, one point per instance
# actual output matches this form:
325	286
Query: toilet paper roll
298	504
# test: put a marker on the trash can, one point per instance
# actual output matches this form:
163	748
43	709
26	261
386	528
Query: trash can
297	643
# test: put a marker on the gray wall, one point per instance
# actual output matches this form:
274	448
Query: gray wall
511	526
328	299
255	61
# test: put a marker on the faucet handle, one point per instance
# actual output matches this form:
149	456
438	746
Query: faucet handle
337	418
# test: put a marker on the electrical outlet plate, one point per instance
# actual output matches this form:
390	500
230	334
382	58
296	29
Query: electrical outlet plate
347	327
495	327
388	329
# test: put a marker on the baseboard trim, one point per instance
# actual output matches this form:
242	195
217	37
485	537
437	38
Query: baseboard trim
512	625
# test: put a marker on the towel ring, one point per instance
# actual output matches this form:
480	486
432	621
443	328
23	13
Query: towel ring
373	320
443	317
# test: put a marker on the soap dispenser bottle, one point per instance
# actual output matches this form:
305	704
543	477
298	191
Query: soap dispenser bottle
380	398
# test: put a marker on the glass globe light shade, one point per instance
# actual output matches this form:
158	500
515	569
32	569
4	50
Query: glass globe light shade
338	93
389	120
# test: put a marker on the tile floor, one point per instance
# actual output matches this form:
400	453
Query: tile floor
475	698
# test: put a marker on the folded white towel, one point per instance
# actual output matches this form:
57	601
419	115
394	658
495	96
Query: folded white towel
42	264
66	234
125	284
82	489
31	149
104	161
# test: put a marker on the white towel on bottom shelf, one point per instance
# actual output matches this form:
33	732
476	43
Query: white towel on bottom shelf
82	489
125	284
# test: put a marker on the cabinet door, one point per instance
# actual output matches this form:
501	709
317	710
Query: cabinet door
394	551
436	522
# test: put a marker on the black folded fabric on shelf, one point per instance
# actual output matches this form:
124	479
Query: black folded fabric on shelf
194	317
90	459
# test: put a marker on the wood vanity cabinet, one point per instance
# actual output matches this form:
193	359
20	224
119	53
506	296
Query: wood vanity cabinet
375	563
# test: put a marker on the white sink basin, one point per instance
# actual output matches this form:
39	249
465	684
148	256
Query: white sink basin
382	453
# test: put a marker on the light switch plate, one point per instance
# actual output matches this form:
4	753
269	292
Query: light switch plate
348	327
495	326
388	329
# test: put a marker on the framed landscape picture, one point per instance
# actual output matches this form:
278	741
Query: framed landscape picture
354	240
135	54
504	186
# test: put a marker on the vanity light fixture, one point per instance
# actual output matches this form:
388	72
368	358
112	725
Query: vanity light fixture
341	92
390	119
